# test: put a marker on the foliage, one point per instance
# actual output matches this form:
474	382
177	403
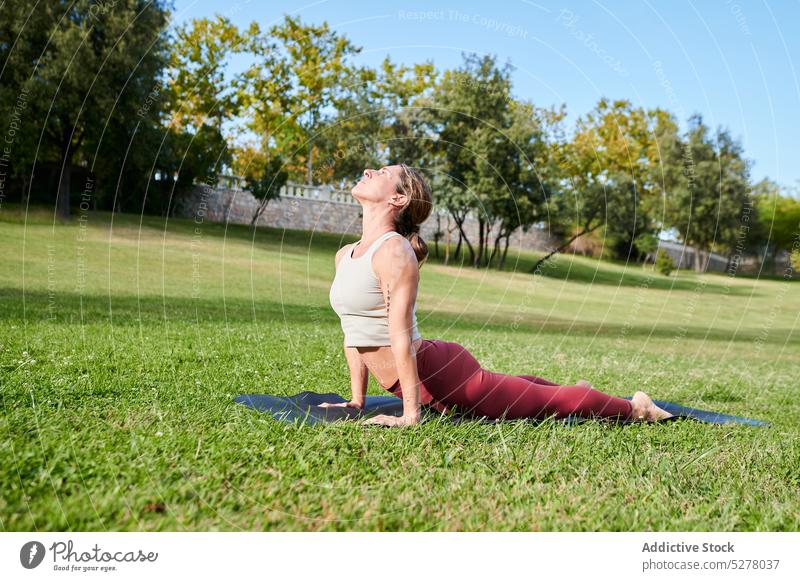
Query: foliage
188	158
89	87
664	263
706	189
492	150
778	217
200	93
302	70
140	115
372	122
606	169
647	244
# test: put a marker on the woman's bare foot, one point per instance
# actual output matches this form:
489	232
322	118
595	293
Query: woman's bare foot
645	410
584	383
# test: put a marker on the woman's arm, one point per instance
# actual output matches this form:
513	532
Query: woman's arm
359	375
398	270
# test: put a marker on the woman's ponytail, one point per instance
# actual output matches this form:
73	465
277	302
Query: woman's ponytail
417	210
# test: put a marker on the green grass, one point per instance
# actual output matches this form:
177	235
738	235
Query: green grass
143	331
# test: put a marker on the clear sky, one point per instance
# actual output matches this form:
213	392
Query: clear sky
736	62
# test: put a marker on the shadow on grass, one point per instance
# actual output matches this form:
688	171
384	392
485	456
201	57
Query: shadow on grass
130	310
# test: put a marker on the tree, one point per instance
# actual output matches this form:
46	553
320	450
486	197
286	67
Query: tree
316	59
191	157
606	167
98	69
663	263
264	93
351	140
706	190
777	223
23	34
529	173
468	112
200	92
371	126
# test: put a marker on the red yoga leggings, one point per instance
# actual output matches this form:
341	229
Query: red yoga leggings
451	376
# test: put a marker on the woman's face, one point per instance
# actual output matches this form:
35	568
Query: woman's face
378	185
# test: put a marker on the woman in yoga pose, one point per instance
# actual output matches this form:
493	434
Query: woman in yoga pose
374	293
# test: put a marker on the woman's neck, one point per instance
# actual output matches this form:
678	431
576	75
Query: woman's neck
375	222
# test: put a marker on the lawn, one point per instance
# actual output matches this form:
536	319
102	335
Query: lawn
125	338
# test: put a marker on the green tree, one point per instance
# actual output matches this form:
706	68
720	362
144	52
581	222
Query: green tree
706	197
23	34
264	93
99	66
200	91
468	111
777	224
370	128
528	172
317	61
351	140
186	158
606	168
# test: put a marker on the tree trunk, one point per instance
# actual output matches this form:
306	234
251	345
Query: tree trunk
462	236
502	264
310	165
25	194
62	207
438	234
477	257
496	246
262	205
729	264
706	260
447	242
562	247
64	183
696	256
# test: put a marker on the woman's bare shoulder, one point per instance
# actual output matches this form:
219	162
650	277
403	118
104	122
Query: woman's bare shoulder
395	254
340	253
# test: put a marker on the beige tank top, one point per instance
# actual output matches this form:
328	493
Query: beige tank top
357	298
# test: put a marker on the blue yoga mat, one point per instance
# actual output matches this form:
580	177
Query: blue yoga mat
303	408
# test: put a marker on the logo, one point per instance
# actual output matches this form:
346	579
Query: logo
31	554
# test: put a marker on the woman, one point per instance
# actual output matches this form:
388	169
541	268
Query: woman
374	293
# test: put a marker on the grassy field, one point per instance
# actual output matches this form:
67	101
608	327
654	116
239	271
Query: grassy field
124	340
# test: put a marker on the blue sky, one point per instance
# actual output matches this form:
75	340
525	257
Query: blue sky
737	63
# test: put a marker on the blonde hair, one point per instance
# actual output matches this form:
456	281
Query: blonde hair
416	211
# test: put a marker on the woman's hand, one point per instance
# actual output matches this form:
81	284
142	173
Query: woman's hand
392	421
344	404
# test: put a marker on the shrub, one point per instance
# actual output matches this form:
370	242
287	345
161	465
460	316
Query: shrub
664	263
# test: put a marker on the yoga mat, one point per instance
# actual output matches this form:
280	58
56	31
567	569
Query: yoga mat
303	408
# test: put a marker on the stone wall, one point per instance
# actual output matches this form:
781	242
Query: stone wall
321	209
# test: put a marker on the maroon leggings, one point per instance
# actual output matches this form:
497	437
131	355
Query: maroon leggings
451	376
